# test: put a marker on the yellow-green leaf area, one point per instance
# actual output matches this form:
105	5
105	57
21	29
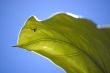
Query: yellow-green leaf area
75	44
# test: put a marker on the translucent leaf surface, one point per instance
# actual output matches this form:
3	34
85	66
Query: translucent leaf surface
75	44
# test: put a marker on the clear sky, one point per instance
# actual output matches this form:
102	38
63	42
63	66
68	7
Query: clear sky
13	14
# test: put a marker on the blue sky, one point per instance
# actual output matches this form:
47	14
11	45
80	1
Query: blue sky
13	14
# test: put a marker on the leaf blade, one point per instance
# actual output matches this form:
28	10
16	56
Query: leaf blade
75	44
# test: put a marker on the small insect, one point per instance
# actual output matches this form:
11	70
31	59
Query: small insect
34	29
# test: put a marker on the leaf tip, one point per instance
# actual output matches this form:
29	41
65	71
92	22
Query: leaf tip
15	46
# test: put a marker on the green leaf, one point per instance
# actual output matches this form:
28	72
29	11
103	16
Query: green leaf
75	44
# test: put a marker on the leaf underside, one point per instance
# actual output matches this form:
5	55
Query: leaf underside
75	44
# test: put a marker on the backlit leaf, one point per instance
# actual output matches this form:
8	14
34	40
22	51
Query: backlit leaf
75	44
